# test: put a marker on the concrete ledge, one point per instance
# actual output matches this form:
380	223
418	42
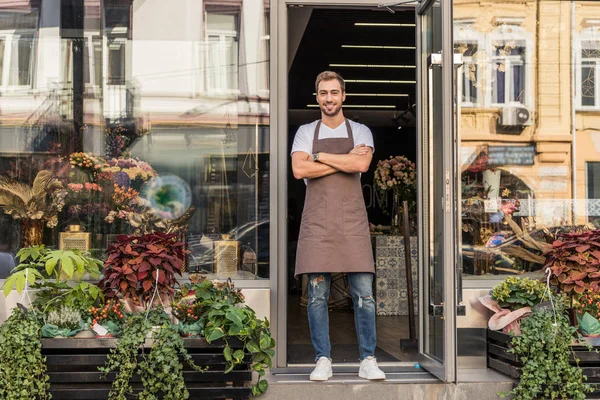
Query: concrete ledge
386	391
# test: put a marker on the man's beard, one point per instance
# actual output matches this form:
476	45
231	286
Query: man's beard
332	113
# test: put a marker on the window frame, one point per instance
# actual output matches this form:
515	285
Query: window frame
502	34
10	36
204	50
465	34
588	35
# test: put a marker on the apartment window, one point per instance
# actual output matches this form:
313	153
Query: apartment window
221	52
593	189
470	73
590	59
116	60
16	59
92	60
509	75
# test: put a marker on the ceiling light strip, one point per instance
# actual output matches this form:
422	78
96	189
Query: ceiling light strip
359	46
382	24
376	81
371	66
356	106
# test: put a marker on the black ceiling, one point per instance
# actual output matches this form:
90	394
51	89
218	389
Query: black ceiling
321	45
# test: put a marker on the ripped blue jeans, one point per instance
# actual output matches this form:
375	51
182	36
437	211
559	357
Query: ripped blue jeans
361	289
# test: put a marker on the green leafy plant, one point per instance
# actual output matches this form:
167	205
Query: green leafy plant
22	367
225	317
123	359
544	350
50	270
136	265
514	293
575	261
162	370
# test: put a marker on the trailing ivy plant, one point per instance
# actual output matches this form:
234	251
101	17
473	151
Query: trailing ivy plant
226	317
124	358
22	368
161	370
544	350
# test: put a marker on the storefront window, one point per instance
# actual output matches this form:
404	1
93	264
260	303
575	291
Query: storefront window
528	163
151	116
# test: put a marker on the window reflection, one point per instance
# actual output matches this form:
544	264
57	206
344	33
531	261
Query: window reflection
122	97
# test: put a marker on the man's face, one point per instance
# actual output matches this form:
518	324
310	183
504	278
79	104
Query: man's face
330	97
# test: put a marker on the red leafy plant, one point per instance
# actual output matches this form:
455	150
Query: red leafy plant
136	265
575	261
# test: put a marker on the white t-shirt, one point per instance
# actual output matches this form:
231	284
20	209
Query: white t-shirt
306	133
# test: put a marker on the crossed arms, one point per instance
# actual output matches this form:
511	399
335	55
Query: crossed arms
358	160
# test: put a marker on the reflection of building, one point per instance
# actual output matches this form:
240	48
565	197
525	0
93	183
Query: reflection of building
188	92
529	79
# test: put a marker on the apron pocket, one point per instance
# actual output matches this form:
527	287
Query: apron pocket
354	217
314	221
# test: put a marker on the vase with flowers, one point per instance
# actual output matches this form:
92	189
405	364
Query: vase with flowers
396	174
34	205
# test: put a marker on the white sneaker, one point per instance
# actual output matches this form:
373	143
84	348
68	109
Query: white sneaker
370	370
322	371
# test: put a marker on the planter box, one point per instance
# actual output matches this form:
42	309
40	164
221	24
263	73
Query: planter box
499	359
73	369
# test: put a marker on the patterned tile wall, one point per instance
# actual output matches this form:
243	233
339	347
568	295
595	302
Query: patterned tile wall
390	275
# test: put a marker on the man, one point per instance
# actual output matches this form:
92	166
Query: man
330	154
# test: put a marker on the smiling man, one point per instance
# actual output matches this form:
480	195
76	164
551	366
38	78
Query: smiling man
330	154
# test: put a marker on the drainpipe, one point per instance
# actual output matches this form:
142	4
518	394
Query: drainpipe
573	115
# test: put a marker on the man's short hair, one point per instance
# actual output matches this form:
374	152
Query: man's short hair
329	76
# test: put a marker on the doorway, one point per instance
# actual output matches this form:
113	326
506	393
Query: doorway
374	50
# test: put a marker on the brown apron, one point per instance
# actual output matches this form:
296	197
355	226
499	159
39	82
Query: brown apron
334	233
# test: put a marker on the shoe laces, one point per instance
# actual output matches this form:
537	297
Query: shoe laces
322	361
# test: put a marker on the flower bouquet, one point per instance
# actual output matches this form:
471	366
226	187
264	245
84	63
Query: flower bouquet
397	174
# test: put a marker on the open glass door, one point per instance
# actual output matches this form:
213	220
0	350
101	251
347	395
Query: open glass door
437	208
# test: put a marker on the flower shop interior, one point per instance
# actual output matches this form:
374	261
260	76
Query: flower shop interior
140	173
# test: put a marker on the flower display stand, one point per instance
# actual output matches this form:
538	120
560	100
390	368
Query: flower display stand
73	369
499	359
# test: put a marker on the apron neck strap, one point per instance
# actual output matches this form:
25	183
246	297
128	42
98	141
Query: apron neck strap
318	128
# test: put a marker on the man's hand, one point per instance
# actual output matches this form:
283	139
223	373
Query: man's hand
357	160
304	167
360	150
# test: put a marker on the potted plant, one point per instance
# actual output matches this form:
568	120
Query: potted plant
23	371
587	312
34	205
65	322
574	261
109	317
142	269
187	313
544	349
514	293
511	300
225	317
49	271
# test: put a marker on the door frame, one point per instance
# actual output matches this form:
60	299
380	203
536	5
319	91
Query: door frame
445	370
278	180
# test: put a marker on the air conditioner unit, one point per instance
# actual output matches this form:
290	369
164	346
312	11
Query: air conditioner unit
516	116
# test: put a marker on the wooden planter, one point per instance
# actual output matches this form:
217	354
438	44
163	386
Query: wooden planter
73	369
499	359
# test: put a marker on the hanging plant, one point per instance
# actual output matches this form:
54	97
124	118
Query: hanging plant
22	368
544	349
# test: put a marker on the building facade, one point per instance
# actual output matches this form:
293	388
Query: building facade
183	109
